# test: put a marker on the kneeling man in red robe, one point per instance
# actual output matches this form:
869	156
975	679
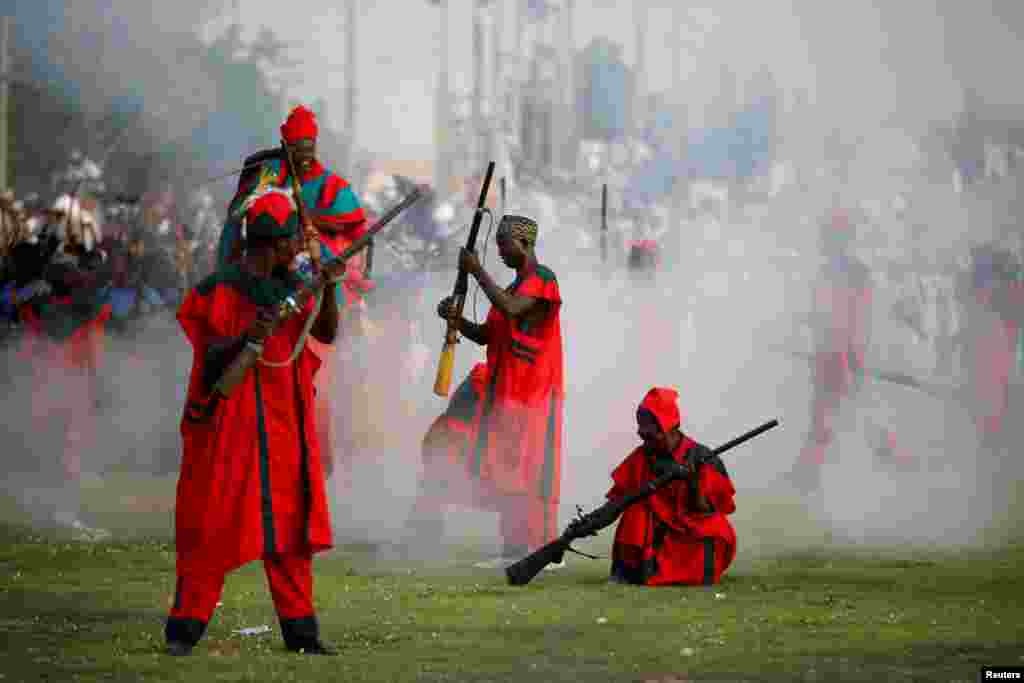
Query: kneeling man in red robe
252	482
679	535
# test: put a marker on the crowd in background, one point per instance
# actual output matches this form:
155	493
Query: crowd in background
109	267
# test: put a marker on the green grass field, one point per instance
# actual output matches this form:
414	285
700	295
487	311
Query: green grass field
74	611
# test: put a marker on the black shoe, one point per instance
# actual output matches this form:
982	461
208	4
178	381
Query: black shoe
303	635
176	648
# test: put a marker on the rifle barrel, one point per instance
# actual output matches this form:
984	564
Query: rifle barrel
392	213
746	437
481	203
604	222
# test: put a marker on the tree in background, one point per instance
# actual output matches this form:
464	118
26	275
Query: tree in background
178	109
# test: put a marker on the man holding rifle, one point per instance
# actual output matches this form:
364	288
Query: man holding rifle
680	534
515	456
331	206
252	483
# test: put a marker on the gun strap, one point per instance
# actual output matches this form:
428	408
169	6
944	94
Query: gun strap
578	552
301	342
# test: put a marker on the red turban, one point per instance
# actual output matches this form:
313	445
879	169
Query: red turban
663	404
301	124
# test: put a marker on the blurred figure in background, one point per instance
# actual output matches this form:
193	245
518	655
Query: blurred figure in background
841	312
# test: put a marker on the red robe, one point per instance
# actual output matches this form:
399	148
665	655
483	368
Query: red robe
994	354
251	482
448	441
518	445
64	364
445	448
694	548
74	349
842	300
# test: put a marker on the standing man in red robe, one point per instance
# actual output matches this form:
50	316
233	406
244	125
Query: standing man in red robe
252	482
841	307
516	455
995	315
680	534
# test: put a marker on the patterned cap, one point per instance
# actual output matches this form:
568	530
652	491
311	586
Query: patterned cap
519	227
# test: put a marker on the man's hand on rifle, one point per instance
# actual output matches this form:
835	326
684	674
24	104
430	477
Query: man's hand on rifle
682	470
446	309
469	262
263	326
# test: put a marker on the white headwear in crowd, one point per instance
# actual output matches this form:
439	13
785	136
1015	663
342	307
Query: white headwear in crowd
82	222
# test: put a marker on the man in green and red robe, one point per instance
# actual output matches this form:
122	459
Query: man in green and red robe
252	482
515	459
333	207
330	201
680	534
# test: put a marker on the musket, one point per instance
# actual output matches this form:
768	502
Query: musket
368	266
523	571
900	378
224	382
604	223
443	381
312	249
391	214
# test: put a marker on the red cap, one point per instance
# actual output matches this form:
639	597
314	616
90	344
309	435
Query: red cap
301	124
663	403
271	215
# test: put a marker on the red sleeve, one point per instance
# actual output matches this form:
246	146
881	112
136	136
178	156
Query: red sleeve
717	489
624	477
193	316
1017	293
540	288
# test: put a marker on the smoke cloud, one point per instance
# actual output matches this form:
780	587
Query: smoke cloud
735	282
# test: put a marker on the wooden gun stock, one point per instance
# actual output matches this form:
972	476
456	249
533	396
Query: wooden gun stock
443	381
